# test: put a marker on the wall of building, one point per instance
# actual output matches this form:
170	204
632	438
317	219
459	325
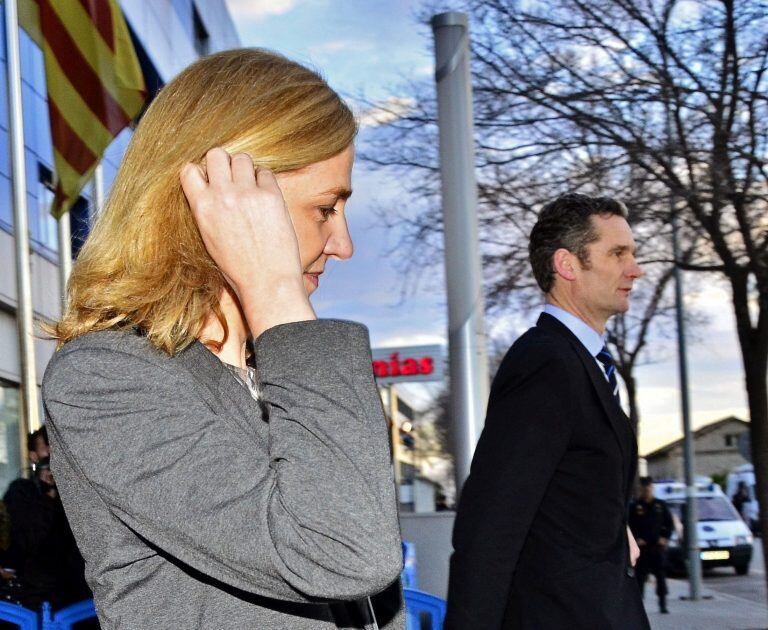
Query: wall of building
714	454
166	30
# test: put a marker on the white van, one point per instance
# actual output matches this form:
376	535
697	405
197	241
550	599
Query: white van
724	538
751	509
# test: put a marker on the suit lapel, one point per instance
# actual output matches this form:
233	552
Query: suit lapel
620	423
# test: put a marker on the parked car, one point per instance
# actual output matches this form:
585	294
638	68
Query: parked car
724	538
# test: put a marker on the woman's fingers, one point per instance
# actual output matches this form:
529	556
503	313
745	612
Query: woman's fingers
242	169
193	180
217	165
266	179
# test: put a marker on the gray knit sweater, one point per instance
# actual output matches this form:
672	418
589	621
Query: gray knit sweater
194	509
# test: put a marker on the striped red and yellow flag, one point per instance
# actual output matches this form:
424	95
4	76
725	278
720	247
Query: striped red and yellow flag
94	80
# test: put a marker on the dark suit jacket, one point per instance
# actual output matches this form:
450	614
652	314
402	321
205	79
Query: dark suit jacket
540	537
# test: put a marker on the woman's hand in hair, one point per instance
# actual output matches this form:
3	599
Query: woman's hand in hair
247	230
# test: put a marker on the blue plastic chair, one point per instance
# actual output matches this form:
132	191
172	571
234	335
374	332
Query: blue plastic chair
420	605
66	618
409	575
23	617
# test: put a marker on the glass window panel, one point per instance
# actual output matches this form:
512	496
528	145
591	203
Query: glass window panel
33	214
5	148
29	113
51	228
37	78
184	11
42	124
10	460
30	166
6	204
2	34
47	225
3	94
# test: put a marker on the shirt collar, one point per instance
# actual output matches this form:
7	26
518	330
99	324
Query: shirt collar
588	336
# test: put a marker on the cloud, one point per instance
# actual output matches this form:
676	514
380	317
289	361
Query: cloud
385	111
418	339
258	9
340	45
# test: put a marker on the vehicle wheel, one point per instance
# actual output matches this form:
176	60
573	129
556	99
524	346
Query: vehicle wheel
741	569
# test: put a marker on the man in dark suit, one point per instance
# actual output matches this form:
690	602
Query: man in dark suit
541	538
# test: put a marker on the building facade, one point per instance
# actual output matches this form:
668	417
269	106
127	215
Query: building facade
169	35
717	449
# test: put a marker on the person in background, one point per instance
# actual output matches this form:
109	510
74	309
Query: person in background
37	445
42	550
651	523
740	498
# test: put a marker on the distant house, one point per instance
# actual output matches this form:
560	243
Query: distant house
716	448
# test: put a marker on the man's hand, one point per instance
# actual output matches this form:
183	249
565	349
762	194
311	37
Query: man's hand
663	542
634	550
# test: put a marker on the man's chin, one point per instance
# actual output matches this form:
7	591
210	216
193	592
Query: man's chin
622	307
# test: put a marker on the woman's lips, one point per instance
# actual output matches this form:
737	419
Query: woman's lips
314	278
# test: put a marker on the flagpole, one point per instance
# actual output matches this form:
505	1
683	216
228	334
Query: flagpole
98	189
65	256
29	419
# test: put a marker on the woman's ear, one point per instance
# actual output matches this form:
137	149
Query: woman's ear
564	262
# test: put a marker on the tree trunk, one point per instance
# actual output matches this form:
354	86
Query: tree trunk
754	351
634	413
757	395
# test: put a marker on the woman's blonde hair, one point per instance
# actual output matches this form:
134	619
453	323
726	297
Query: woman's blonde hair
144	265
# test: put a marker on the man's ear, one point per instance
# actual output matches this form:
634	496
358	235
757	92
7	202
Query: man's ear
564	263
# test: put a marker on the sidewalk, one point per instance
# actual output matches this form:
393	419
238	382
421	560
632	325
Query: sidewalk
721	612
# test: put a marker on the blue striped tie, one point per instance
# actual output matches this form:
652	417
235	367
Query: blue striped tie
604	356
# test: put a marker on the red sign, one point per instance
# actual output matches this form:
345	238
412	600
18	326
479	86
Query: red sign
407	367
406	364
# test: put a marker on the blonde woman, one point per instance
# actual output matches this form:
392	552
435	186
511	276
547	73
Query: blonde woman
203	494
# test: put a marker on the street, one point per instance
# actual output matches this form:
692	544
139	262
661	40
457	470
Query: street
730	602
751	587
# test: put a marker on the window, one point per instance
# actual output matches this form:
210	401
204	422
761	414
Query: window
43	228
10	461
201	38
729	440
45	232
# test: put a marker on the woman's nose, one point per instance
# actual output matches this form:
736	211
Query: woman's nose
339	243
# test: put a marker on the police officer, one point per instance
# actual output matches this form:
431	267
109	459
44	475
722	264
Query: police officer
651	525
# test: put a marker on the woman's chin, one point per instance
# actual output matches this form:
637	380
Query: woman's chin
310	285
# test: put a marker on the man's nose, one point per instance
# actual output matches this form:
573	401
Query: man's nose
635	270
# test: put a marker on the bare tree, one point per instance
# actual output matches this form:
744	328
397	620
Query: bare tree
511	196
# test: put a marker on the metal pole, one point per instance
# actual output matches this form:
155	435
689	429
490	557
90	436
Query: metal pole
691	512
466	330
395	428
29	419
65	256
98	189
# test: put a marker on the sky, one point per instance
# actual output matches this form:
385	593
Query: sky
368	48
